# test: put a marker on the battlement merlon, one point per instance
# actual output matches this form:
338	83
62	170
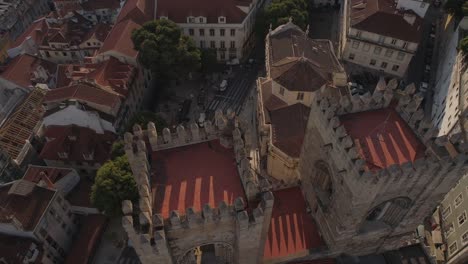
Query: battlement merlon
328	109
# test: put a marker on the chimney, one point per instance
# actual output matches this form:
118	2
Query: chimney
409	17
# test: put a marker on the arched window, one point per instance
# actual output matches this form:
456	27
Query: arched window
390	212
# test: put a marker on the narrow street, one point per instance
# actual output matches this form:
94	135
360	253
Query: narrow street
238	89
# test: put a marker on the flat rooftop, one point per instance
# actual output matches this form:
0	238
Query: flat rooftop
382	138
292	230
194	175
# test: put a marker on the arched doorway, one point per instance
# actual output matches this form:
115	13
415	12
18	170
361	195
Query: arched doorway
212	253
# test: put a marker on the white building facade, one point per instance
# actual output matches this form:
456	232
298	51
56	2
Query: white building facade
379	37
230	35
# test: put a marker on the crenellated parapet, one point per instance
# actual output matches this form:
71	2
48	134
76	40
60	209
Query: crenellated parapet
327	111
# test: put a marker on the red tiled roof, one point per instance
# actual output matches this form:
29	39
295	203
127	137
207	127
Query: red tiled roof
89	236
288	128
139	11
113	73
382	17
179	10
37	31
87	141
83	92
21	70
192	176
15	249
80	195
119	39
27	209
49	174
292	230
382	138
299	74
100	31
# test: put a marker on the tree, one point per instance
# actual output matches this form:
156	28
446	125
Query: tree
464	45
165	50
143	118
457	8
113	184
117	149
208	60
279	12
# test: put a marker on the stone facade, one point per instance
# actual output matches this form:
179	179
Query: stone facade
401	195
235	235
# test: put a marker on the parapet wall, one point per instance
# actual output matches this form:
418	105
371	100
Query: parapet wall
157	240
327	110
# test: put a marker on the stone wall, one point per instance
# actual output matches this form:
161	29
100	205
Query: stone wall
237	231
356	191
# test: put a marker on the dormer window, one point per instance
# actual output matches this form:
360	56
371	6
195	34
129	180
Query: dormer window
222	19
88	156
62	155
201	20
190	19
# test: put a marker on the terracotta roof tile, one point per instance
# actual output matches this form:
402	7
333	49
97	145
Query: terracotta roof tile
89	236
77	142
179	10
119	39
208	175
22	69
382	17
27	209
299	74
382	138
139	11
83	92
292	229
36	31
100	31
288	126
114	74
49	174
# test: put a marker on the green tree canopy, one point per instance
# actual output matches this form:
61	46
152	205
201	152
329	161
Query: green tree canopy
117	149
113	184
464	45
280	11
165	50
142	118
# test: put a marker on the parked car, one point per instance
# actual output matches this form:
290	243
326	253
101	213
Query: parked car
182	116
223	86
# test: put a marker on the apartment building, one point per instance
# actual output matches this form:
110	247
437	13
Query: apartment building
17	15
37	211
450	100
380	37
454	215
226	26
